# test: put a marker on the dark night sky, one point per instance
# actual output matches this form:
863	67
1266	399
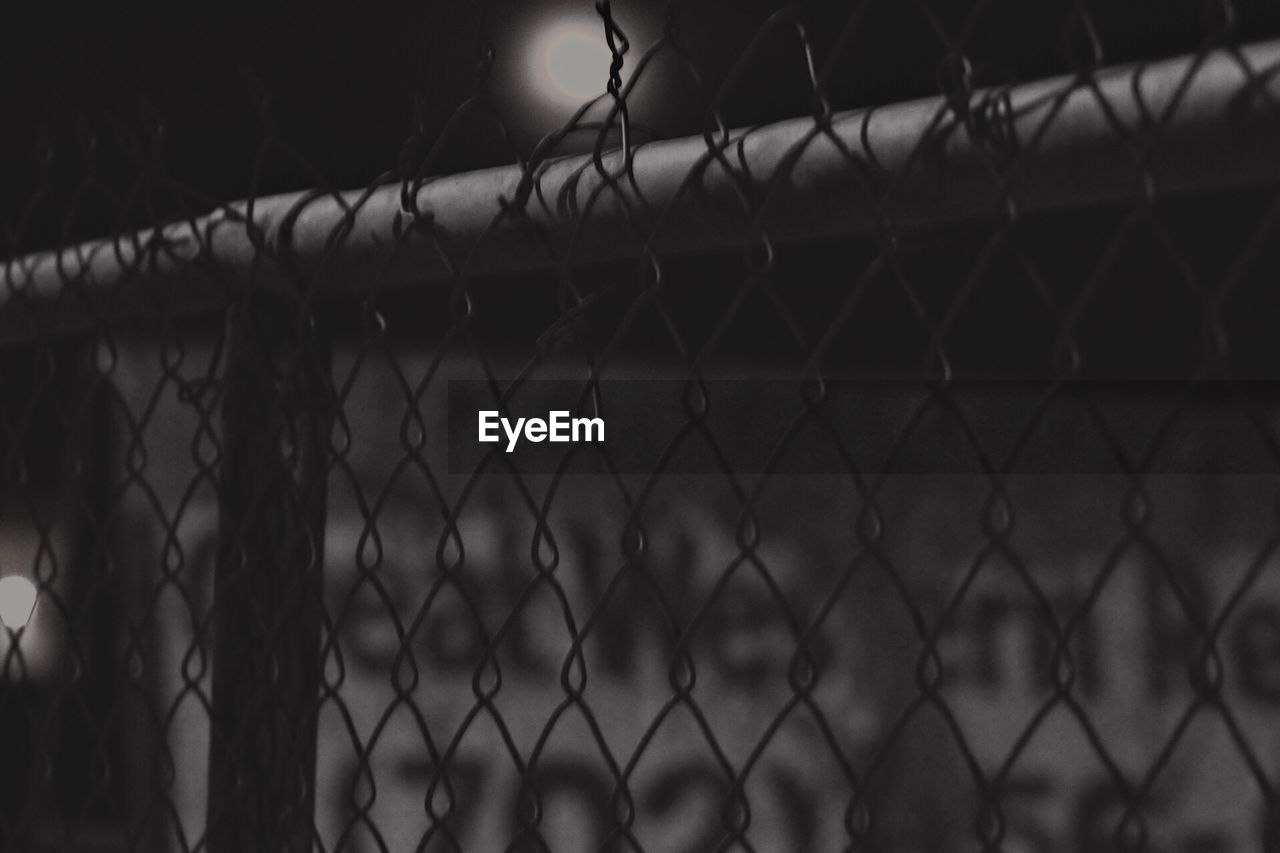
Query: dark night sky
343	76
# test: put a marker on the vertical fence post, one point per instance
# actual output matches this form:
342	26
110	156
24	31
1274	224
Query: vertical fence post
268	582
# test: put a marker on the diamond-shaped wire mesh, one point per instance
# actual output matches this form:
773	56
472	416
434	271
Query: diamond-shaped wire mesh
937	509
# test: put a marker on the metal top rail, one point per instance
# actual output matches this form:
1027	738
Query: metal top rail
1196	122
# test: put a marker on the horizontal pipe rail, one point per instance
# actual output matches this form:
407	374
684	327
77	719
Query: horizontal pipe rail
1199	122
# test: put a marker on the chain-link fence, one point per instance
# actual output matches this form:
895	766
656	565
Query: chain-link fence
932	506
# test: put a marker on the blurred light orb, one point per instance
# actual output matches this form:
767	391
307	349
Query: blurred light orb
573	63
17	601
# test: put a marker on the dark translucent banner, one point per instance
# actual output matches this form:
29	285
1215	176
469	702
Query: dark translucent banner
869	426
